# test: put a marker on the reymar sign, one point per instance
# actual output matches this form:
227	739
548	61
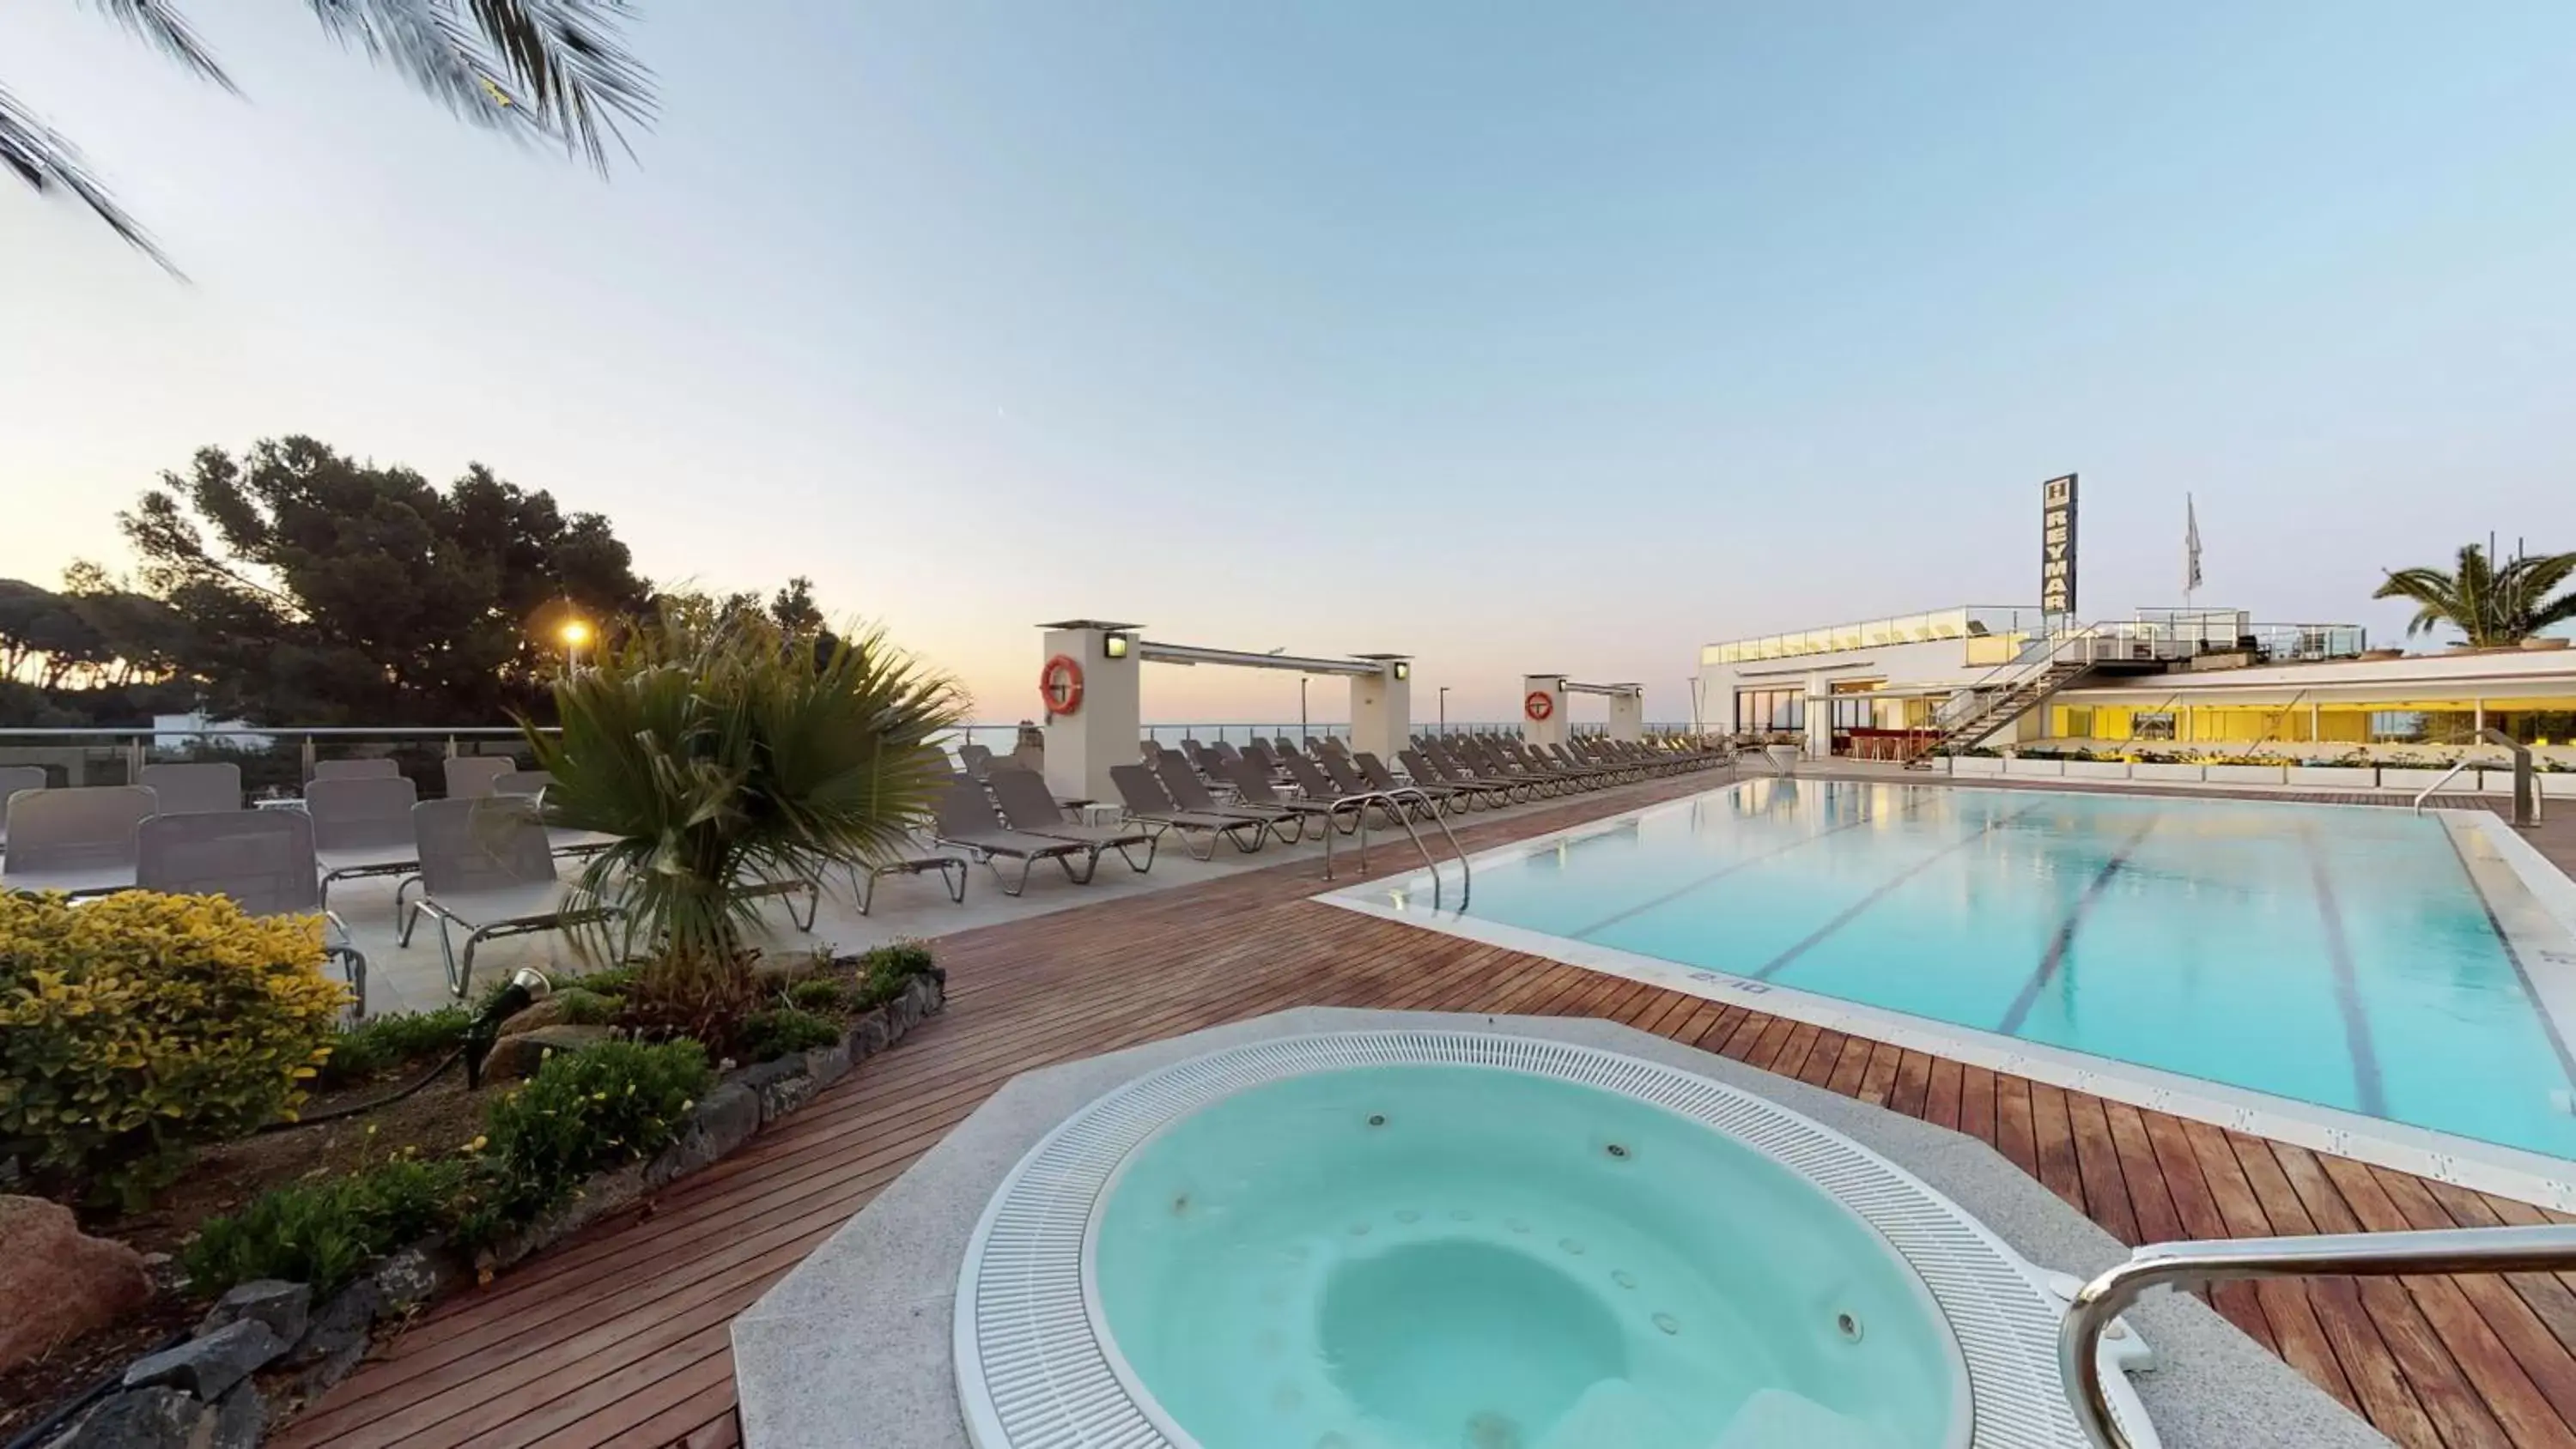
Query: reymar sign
2057	545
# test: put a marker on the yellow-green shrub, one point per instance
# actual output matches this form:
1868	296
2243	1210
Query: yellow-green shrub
138	1025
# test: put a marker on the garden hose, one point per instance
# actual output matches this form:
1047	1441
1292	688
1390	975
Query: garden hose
352	1110
43	1429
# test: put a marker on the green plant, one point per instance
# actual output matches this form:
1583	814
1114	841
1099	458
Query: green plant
136	1026
582	1007
557	69
322	1232
2492	606
727	755
587	1111
886	970
382	1043
819	995
769	1035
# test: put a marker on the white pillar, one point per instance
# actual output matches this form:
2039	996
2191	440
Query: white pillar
1820	717
1628	714
1103	729
1382	707
1551	730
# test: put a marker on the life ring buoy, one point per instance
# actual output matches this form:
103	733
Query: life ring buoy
1060	686
1539	705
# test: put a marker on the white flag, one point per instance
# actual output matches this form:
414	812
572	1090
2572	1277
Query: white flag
2190	546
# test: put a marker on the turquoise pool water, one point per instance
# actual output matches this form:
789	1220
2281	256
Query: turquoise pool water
1446	1257
2334	955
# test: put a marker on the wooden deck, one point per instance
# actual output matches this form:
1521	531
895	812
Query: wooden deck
619	1337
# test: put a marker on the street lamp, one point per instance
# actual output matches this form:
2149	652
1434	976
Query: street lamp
1444	709
1303	733
574	633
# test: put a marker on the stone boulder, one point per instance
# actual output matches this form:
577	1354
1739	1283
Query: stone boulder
58	1281
514	1057
208	1366
155	1418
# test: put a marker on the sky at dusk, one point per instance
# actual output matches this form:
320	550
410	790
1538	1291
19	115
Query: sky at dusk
1514	337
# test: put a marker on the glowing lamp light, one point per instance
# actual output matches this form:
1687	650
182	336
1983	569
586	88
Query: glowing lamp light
1403	670
1114	645
575	633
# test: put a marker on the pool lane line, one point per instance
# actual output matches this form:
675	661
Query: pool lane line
1881	891
1731	867
2521	973
2054	957
2368	1091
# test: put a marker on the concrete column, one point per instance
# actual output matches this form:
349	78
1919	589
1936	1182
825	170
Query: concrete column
1820	717
1382	708
2477	720
1628	715
1551	730
1103	730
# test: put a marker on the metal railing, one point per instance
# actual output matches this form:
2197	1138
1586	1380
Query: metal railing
1397	805
2373	1255
2526	790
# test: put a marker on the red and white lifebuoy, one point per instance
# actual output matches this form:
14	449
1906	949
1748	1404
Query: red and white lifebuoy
1539	705
1060	686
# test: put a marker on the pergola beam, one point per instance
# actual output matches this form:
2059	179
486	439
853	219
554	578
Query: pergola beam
1155	651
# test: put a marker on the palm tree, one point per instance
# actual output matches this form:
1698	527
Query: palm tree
726	756
553	69
2492	606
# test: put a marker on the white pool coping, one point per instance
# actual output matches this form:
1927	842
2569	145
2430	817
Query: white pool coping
856	1344
2536	929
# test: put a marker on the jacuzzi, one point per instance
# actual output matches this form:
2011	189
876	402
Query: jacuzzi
1422	1239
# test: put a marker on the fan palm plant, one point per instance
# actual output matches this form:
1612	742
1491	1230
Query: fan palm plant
557	70
2492	606
730	757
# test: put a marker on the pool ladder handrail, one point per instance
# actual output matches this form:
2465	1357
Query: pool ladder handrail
2526	792
2545	1249
1393	804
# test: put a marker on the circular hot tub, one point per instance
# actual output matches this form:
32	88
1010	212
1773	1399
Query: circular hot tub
1461	1240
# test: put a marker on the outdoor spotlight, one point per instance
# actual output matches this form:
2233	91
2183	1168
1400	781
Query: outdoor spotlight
1403	670
1114	645
527	986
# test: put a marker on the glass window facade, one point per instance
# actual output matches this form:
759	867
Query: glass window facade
1763	710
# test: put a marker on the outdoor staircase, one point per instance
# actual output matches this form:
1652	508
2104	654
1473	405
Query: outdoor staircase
1989	709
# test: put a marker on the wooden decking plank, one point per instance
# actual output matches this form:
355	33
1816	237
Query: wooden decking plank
2295	1332
2053	1142
2097	1166
1941	1102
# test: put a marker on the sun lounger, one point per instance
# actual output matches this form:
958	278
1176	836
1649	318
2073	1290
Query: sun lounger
486	870
194	787
1141	791
1189	794
965	820
1252	786
262	859
78	841
1423	766
1027	805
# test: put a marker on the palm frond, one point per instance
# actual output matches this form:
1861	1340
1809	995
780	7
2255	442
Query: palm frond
730	757
169	32
41	157
558	68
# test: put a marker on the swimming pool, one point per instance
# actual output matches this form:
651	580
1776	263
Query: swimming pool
2368	961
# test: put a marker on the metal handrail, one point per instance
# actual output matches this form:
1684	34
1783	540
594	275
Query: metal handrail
2372	1255
2427	792
1392	803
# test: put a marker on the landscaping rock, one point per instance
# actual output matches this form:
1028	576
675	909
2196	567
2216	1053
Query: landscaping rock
517	1056
549	1012
868	1036
57	1281
155	1418
723	1120
337	1331
410	1277
209	1365
609	1193
241	1417
827	1065
782	1086
282	1306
